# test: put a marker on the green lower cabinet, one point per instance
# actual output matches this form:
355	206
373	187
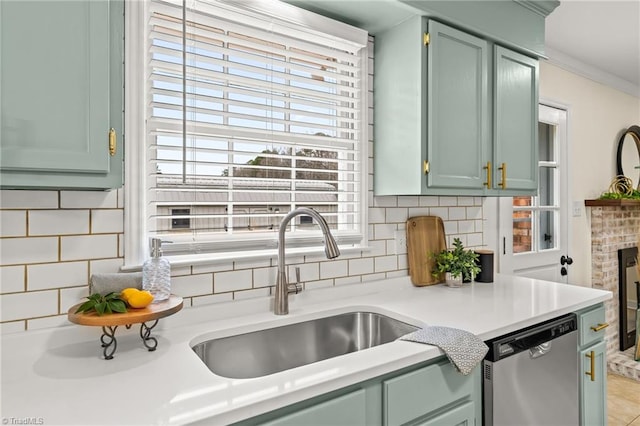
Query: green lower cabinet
593	385
345	410
426	394
592	362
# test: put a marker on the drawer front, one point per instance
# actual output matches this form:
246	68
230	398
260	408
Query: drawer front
346	410
415	394
461	415
592	326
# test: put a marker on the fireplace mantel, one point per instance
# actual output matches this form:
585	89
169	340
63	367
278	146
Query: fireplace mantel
611	203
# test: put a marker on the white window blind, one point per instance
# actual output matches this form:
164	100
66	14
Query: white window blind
250	116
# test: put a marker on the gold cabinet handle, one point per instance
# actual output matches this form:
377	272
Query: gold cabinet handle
599	327
425	167
488	169
112	142
503	170
592	356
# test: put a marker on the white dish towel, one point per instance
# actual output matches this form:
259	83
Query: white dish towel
465	350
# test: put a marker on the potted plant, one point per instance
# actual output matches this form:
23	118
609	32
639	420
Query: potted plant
458	265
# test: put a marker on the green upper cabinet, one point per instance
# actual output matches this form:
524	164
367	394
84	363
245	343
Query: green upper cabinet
454	113
61	87
515	120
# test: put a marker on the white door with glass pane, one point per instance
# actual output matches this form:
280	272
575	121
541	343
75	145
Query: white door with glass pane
534	229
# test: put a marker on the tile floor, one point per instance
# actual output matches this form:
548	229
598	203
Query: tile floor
623	401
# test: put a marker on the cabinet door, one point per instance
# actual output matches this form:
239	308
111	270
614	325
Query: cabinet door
593	385
515	120
461	415
456	108
61	85
346	410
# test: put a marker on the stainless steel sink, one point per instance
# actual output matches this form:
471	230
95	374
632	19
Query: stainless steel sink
277	349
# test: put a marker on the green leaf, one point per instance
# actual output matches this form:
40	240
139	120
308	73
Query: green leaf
118	306
86	306
100	307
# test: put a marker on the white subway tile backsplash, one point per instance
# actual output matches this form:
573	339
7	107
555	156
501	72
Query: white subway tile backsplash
177	271
429	201
211	298
408	201
474	213
28	250
12	279
88	199
105	266
448	201
251	264
474	240
58	222
13	223
16	199
250	294
376	215
361	266
419	211
373	277
88	247
442	212
57	275
264	277
318	284
377	248
308	272
333	269
457	213
48	322
32	304
386	263
72	296
386	201
465	201
107	221
397	215
384	231
12	327
466	226
403	263
218	267
232	281
450	227
347	280
192	285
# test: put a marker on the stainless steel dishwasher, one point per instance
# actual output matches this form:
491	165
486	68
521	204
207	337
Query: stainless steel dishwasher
530	377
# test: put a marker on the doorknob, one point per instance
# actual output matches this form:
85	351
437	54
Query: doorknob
566	260
563	271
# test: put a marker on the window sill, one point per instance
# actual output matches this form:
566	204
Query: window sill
234	256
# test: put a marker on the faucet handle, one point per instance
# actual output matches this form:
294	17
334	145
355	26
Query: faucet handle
296	287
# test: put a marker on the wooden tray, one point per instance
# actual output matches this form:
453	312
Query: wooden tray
134	316
425	235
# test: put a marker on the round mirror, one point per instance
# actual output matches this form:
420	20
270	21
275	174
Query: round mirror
628	158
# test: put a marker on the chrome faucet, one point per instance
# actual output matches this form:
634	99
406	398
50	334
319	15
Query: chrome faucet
283	288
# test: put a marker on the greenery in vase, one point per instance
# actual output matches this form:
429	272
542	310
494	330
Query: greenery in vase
458	262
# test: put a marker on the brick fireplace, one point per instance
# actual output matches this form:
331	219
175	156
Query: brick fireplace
614	226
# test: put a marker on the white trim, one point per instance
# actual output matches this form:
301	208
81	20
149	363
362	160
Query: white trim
135	195
136	169
571	64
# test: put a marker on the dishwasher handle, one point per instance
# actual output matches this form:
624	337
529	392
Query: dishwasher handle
540	350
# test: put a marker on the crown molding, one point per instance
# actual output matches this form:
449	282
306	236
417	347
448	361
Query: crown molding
571	64
541	7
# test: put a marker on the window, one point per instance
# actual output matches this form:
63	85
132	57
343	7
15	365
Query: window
249	115
535	219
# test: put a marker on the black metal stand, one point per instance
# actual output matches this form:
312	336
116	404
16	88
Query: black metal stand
110	344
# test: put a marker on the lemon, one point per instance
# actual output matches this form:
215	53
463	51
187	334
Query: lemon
139	299
127	293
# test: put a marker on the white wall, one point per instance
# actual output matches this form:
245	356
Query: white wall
597	116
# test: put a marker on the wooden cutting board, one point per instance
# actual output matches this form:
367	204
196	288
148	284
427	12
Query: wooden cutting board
425	235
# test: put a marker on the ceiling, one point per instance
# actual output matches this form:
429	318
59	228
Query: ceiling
599	39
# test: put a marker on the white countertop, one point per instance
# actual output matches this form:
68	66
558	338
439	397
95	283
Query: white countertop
59	376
